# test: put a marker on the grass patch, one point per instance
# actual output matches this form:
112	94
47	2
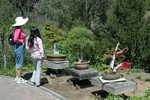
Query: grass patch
138	77
8	71
132	79
134	70
146	96
12	70
147	80
28	68
127	73
98	68
121	75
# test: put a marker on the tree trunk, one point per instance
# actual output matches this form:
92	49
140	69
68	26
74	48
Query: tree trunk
3	48
80	58
55	48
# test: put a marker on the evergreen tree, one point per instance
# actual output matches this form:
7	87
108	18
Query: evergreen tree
126	24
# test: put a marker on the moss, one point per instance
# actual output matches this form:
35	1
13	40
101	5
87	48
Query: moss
55	55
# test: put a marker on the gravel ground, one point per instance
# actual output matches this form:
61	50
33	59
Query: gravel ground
69	90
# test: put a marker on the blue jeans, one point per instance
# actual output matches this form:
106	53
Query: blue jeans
19	55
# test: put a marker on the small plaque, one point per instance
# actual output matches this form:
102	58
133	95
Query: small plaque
109	81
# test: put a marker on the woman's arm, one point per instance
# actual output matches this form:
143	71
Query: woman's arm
40	44
27	44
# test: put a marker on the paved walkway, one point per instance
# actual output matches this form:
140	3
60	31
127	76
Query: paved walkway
9	90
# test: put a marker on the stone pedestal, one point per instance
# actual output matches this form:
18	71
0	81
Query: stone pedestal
53	67
120	87
56	64
115	87
82	74
81	77
96	82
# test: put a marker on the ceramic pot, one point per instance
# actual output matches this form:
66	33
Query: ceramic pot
113	76
83	65
56	57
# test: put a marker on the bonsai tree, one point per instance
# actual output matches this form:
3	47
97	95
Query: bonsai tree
80	41
120	55
116	54
53	35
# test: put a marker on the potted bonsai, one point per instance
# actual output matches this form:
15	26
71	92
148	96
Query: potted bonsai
80	41
112	72
53	35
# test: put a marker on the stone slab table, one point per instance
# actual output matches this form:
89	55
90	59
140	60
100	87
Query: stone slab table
120	87
56	64
82	74
116	87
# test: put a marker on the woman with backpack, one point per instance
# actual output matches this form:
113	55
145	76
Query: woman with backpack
35	47
19	40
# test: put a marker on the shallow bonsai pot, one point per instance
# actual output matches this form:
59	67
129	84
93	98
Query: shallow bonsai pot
82	65
112	76
55	57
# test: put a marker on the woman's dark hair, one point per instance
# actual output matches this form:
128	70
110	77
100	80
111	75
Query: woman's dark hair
34	32
37	32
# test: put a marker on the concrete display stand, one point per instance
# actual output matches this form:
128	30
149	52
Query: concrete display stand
55	65
115	88
120	87
81	76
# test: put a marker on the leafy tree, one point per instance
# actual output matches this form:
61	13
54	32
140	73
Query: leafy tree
52	34
66	12
80	42
5	17
125	24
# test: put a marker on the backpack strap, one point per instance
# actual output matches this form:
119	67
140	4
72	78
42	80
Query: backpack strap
19	34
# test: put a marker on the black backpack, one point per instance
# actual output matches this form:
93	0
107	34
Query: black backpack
11	39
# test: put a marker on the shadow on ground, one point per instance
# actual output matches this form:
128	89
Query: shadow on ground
79	83
101	94
28	76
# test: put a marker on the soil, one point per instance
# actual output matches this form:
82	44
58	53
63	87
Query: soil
83	90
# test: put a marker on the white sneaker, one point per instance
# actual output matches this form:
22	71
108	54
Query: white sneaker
16	79
21	81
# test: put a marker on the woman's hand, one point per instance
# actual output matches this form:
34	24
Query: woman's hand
43	58
21	41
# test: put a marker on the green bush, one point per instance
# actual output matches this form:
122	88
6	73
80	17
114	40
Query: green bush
8	71
80	42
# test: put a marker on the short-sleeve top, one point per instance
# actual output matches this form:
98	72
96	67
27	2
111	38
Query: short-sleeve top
19	36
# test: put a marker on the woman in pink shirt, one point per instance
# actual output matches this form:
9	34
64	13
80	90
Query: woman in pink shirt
19	39
35	47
